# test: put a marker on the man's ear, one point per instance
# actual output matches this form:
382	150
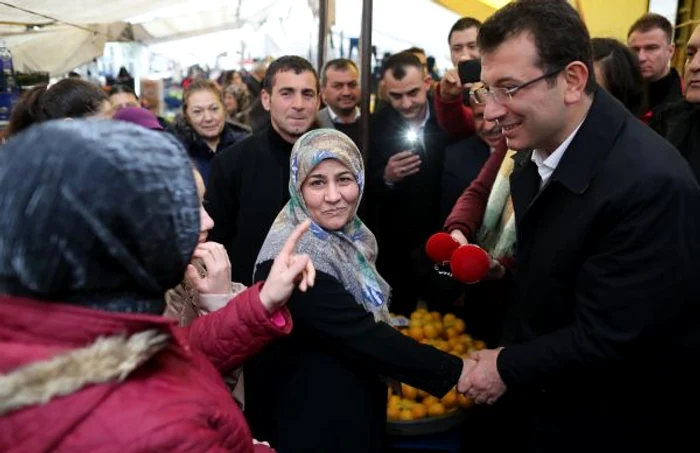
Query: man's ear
265	99
576	76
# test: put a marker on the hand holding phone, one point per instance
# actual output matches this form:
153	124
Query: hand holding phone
469	71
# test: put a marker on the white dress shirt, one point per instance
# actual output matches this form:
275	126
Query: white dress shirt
547	164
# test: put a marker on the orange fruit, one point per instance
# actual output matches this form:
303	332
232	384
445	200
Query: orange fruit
416	333
416	323
409	393
393	413
459	349
478	345
416	315
449	318
406	415
430	400
436	409
419	411
450	399
439	327
442	345
451	333
436	315
422	394
394	401
459	326
464	401
430	331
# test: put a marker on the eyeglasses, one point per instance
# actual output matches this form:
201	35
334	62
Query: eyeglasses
505	95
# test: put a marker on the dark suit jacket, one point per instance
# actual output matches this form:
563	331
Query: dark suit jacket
405	215
463	162
605	326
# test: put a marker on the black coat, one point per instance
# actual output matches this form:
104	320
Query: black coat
679	123
405	215
320	389
463	162
248	187
605	327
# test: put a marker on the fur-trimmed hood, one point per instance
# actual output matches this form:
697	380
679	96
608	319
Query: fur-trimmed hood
108	359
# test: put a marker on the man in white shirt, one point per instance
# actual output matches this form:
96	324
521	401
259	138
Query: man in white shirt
608	250
340	91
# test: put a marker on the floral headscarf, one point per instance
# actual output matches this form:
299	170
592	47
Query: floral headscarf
348	254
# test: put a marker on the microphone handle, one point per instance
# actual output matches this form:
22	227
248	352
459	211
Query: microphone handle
441	271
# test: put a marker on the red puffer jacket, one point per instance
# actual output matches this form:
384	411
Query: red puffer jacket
173	402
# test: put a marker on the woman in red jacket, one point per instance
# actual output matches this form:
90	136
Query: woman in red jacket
97	221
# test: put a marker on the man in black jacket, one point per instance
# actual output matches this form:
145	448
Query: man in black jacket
407	149
249	182
602	336
679	122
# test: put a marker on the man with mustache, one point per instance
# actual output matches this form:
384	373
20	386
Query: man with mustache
651	39
464	159
340	91
679	123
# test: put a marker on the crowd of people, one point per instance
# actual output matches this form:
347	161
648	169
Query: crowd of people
216	284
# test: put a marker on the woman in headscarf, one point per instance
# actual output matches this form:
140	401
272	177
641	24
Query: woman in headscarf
237	102
97	221
321	389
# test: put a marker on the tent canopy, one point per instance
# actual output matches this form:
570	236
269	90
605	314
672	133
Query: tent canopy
57	35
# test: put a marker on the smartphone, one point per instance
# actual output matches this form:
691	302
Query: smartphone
469	71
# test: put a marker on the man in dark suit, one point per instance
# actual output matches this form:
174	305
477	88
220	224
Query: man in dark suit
406	153
604	329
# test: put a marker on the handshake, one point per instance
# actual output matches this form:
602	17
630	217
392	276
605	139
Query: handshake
480	380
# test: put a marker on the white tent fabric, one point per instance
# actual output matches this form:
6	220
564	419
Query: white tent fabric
278	26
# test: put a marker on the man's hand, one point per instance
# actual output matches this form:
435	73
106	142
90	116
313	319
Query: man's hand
401	165
483	383
496	270
288	270
451	87
459	237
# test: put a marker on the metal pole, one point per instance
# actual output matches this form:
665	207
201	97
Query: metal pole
322	32
365	74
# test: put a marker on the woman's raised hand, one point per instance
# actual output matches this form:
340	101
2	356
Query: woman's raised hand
288	271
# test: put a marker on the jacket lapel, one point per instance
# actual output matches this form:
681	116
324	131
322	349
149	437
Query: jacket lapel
580	162
524	183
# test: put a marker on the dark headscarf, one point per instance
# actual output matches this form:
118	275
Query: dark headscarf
97	213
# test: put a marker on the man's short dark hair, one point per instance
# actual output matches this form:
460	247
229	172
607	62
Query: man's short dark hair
284	64
465	23
650	21
415	49
399	62
559	34
119	88
339	64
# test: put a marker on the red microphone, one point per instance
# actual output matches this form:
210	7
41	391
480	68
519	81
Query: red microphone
440	247
470	264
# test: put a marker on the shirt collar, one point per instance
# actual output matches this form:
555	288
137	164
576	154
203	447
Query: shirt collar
547	164
334	117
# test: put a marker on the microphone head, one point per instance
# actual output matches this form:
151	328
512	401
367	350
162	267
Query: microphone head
470	264
440	247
